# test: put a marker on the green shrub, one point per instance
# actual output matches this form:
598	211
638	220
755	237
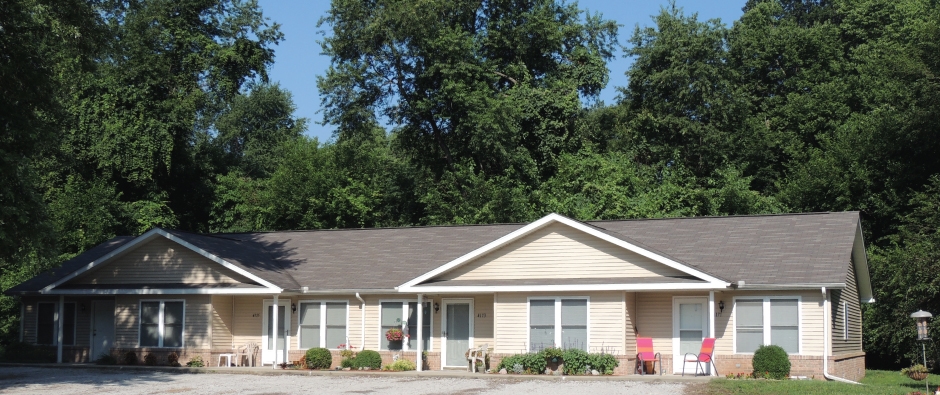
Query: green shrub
173	359
196	362
130	358
603	363
150	359
368	359
771	362
319	358
106	359
576	361
524	363
401	365
552	352
347	363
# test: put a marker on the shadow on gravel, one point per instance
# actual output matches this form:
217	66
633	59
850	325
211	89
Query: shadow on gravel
21	376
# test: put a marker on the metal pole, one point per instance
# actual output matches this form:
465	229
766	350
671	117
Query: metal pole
923	349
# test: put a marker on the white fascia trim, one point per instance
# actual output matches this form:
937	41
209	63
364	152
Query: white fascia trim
860	260
552	218
564	288
791	286
164	291
150	235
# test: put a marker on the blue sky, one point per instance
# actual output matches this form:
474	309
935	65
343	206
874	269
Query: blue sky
298	58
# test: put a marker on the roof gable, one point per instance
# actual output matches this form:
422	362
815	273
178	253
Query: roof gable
96	275
486	260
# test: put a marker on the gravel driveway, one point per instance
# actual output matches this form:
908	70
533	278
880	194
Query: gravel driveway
28	380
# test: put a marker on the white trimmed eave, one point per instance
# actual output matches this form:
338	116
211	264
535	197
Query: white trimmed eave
556	218
148	236
564	288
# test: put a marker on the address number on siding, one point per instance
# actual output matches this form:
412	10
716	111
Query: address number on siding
481	315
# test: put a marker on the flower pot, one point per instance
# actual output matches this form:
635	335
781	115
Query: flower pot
917	375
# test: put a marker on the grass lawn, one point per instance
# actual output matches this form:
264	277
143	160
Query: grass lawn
875	382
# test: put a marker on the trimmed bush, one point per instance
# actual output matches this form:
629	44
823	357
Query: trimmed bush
130	358
401	365
771	362
347	363
196	362
173	359
368	359
150	359
576	361
603	363
319	358
533	363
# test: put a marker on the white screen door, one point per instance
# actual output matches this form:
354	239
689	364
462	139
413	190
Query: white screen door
268	350
690	326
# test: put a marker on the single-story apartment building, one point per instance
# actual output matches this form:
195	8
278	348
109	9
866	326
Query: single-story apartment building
793	280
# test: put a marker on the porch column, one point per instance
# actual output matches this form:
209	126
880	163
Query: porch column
59	324
274	332
420	348
711	322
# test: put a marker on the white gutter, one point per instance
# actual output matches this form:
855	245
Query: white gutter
362	320
826	327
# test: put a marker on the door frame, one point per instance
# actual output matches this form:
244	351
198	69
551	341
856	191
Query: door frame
94	329
444	328
264	328
677	357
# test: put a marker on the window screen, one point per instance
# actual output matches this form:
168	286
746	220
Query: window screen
392	313
541	324
150	324
45	321
574	324
335	324
784	325
309	325
425	323
749	322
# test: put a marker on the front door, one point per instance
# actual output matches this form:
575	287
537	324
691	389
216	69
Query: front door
690	326
457	331
102	328
271	350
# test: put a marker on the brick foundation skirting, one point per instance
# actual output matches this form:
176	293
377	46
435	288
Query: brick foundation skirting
71	354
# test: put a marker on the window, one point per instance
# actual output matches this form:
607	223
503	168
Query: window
558	322
161	323
394	314
322	324
47	328
779	326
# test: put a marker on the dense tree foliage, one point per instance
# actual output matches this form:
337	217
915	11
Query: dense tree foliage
118	116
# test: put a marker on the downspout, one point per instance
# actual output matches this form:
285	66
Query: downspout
826	327
362	321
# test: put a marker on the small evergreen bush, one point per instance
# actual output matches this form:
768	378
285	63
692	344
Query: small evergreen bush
196	362
319	358
576	361
368	359
603	363
401	365
347	363
173	359
130	358
150	359
771	362
527	363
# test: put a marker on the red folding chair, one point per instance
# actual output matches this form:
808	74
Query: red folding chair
644	353
706	355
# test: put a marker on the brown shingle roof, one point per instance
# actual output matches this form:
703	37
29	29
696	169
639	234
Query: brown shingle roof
764	249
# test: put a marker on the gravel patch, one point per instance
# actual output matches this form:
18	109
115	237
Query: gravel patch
27	380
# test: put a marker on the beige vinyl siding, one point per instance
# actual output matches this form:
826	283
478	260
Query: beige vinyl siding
196	328
222	320
605	323
654	319
82	318
811	320
248	319
161	261
630	322
483	320
852	311
559	251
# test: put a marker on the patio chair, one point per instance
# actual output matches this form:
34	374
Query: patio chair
705	355
477	354
645	353
248	351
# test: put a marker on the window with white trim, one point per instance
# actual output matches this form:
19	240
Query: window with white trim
47	328
161	323
395	314
558	322
322	324
767	321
